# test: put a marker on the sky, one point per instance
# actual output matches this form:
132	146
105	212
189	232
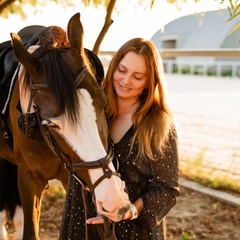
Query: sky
129	21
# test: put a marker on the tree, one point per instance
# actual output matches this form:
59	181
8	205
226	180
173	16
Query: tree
15	7
108	22
8	7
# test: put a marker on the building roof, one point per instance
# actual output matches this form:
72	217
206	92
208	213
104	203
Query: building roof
196	31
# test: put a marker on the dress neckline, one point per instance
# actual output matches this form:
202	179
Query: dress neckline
125	135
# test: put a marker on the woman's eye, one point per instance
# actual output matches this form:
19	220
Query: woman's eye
138	78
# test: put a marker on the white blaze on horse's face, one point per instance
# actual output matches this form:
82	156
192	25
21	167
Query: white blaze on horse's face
85	141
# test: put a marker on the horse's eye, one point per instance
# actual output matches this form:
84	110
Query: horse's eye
50	124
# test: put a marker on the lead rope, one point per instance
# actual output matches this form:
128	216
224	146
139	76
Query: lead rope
85	212
109	229
109	232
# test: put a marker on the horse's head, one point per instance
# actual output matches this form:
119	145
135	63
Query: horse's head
70	105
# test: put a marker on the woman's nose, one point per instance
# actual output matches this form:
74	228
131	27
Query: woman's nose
126	79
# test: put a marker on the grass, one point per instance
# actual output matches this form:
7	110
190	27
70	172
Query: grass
187	236
196	170
199	71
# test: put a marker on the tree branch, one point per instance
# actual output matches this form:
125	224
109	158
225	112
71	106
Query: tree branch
5	4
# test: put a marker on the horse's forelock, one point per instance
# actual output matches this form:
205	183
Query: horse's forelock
62	83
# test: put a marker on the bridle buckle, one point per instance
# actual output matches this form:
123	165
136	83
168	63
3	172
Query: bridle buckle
106	170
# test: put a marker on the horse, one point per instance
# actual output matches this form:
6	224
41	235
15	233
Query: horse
57	124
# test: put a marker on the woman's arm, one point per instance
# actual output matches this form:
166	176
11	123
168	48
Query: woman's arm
163	187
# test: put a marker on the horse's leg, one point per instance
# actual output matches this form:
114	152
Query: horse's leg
3	231
8	193
31	193
18	221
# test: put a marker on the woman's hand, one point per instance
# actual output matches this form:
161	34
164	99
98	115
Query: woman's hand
95	220
128	215
99	220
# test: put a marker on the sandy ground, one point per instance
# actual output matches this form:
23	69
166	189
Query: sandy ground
195	216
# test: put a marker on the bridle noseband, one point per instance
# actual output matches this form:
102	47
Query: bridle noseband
101	163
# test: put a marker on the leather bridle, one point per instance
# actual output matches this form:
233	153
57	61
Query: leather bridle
65	160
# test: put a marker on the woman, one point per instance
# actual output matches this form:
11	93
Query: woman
145	140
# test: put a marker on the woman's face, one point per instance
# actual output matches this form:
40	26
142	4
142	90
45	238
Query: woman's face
130	76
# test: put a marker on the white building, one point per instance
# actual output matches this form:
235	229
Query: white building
195	32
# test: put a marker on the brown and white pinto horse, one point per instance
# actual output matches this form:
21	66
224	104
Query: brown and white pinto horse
56	89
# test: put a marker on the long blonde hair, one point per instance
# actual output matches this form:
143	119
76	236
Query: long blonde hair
153	119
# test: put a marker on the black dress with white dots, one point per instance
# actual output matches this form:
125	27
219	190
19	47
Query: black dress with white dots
155	181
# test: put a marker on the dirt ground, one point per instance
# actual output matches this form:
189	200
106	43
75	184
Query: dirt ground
195	216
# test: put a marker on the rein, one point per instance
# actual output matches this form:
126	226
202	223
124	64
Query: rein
72	167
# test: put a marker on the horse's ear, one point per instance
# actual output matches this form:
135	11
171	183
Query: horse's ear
75	32
22	55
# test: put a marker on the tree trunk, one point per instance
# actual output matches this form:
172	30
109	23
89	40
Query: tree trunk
108	22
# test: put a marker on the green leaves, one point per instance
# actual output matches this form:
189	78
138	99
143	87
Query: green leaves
234	11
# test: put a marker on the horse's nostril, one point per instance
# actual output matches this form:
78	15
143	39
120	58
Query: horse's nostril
123	210
104	209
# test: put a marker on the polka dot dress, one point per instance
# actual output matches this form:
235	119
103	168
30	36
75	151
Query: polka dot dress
155	181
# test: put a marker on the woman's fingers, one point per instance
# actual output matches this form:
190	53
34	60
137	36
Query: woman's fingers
95	220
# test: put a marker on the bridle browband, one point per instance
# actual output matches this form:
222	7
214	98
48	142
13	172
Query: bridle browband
65	160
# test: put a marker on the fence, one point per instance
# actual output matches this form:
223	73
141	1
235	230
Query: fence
215	67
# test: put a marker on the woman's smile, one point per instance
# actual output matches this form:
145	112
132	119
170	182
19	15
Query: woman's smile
123	88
